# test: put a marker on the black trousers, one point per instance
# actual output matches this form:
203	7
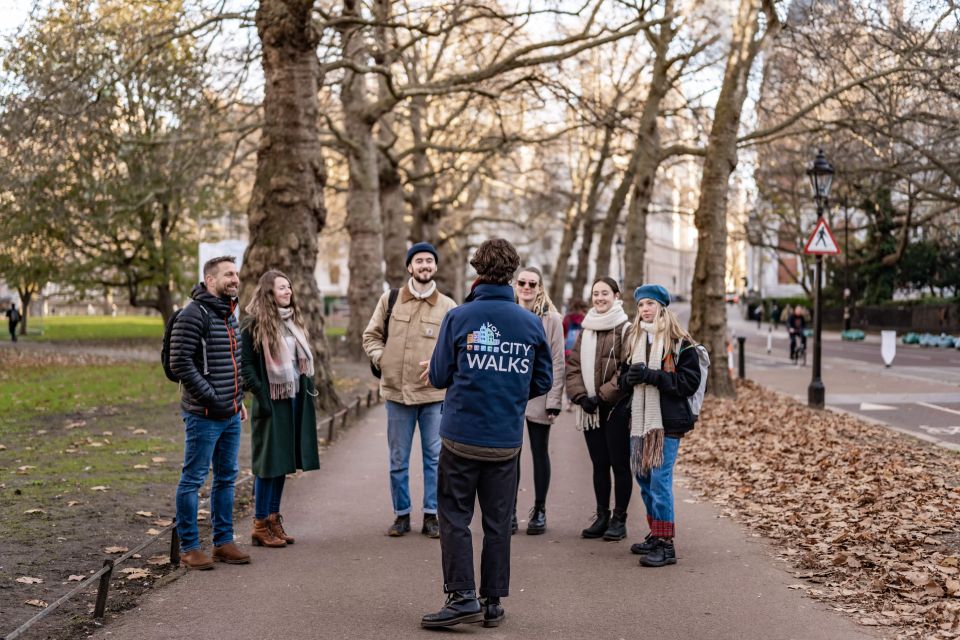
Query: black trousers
540	452
463	482
609	448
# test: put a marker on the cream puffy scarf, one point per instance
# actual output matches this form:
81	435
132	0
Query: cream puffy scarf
283	377
646	422
592	323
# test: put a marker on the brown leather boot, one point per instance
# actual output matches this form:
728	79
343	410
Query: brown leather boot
231	554
263	535
276	525
196	559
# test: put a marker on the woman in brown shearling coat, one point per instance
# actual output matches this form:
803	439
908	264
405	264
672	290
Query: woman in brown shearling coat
604	409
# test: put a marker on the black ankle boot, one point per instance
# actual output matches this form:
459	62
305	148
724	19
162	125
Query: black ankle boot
663	554
461	607
618	526
538	520
643	548
600	524
492	612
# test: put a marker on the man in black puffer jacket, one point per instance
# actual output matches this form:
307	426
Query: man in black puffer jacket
205	356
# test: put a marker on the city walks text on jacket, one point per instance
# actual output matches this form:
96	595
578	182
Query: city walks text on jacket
213	388
492	357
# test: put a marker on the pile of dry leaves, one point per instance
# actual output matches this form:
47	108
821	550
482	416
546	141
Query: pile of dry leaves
867	516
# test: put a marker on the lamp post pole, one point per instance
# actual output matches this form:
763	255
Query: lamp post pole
821	177
846	267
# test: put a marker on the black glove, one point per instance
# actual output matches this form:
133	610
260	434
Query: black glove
622	376
553	412
589	404
637	374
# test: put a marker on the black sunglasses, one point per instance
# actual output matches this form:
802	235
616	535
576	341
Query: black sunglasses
526	283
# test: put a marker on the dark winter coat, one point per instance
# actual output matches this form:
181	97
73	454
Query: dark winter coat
211	389
492	357
282	442
677	381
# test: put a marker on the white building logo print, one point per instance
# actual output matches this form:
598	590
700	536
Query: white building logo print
486	351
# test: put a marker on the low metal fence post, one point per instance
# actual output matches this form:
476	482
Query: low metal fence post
174	545
743	357
104	589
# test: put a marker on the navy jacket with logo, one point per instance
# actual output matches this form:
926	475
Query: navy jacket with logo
492	357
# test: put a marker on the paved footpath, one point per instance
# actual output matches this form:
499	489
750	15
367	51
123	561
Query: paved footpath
345	579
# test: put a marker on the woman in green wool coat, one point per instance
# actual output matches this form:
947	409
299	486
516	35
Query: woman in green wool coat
277	367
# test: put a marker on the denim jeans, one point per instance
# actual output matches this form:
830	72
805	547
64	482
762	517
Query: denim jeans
215	442
402	419
266	496
656	489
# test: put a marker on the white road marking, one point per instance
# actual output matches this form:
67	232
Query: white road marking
868	406
941	431
938	408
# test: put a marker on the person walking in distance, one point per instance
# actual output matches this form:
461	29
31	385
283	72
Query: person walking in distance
604	408
278	369
398	338
205	356
664	372
492	357
13	319
541	411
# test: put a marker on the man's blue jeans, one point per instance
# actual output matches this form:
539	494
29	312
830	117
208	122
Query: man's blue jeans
215	442
656	489
402	419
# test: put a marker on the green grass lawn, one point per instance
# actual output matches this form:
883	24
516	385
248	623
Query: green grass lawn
81	328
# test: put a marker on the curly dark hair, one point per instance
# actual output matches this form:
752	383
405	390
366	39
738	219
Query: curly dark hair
495	261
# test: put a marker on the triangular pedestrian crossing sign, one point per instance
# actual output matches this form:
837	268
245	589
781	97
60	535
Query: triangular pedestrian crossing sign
821	241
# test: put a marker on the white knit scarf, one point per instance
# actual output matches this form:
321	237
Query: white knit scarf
283	376
592	323
646	422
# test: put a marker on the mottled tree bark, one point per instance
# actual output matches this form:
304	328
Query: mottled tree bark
286	211
589	215
395	230
635	247
558	280
708	319
364	222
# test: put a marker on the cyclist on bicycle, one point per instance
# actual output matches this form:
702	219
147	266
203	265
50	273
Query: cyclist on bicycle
796	325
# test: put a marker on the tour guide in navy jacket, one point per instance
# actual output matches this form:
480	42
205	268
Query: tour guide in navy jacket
492	357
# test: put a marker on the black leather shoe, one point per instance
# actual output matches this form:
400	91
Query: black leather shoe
492	612
600	524
399	527
431	526
537	523
663	554
643	548
618	526
461	607
513	524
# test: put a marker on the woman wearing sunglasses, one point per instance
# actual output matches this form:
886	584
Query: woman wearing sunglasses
541	411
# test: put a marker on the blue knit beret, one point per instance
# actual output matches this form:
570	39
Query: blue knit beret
421	247
653	292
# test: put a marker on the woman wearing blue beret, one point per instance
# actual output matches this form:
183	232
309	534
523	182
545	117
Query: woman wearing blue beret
664	372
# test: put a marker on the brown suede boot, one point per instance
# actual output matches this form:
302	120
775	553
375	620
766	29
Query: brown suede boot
196	559
264	536
231	554
276	525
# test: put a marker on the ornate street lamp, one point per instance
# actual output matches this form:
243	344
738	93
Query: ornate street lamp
821	179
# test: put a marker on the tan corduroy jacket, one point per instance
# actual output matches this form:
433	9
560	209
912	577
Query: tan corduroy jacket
414	327
553	399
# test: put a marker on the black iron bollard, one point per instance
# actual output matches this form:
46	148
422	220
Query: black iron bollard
743	357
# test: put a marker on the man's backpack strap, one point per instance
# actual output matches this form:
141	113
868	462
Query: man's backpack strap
391	302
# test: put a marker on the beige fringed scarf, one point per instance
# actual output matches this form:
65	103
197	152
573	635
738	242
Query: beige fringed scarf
283	377
646	422
592	323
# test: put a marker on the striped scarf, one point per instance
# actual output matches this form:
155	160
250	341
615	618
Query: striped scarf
646	422
283	376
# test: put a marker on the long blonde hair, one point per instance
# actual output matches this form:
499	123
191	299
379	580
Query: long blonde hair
542	304
665	321
264	314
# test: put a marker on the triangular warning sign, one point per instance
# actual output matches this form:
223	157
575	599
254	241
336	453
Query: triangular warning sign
821	241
